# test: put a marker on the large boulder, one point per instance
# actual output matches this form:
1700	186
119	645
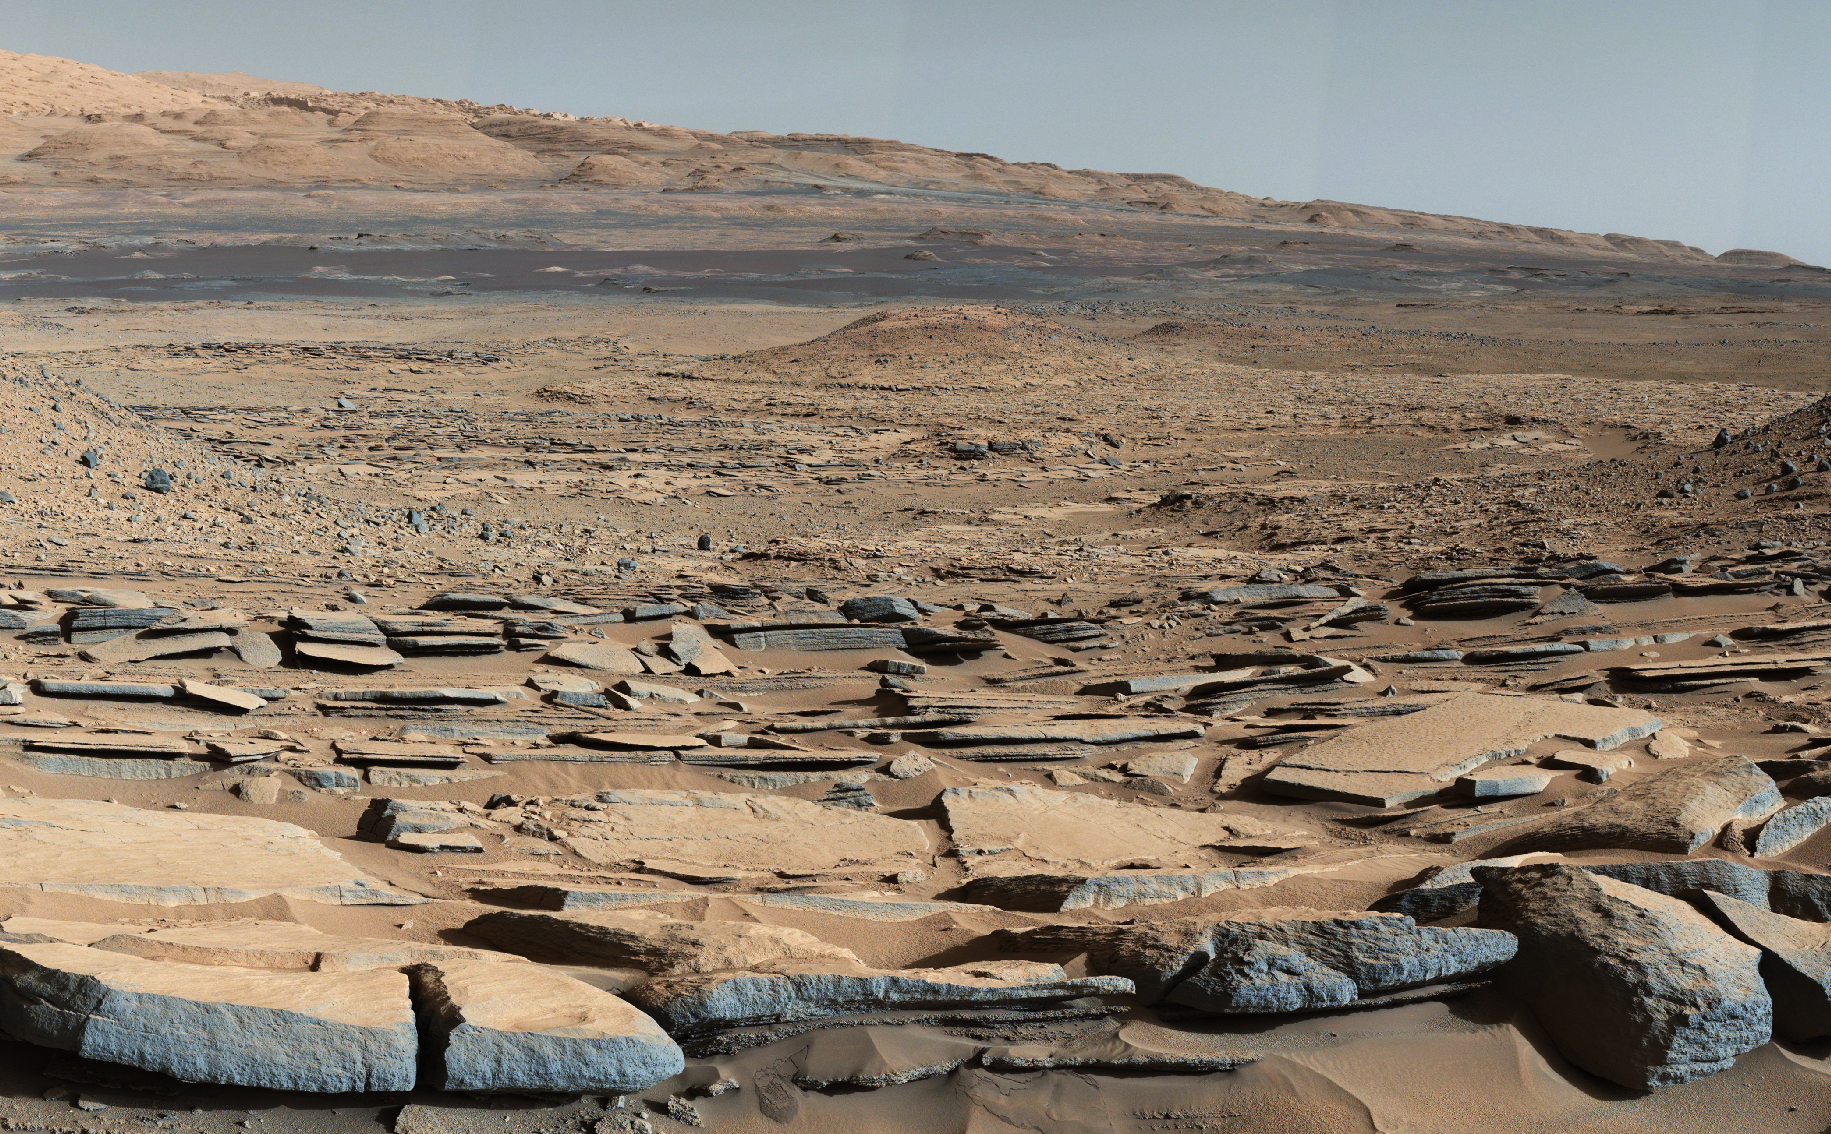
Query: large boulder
698	1003
650	941
1634	986
297	1031
495	1026
1273	960
1674	812
1795	962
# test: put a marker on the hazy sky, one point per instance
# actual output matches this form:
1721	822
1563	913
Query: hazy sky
1707	121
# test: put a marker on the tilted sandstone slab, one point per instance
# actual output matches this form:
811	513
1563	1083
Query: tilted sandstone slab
126	854
750	832
297	1031
1273	960
1073	830
1795	962
651	941
1450	889
1634	986
1674	811
493	1026
1398	759
696	1003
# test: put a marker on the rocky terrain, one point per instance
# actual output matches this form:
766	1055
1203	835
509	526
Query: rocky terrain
888	640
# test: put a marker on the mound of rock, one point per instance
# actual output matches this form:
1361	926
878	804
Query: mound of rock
1634	986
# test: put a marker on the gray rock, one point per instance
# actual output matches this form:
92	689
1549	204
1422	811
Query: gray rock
1263	592
299	1031
333	780
112	689
1631	985
649	612
1674	811
503	1026
1450	889
1522	653
1275	960
1504	782
1795	962
880	608
459	600
699	1003
1792	826
821	638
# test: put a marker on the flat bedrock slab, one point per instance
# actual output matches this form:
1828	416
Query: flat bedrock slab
1395	760
1071	829
331	1032
126	854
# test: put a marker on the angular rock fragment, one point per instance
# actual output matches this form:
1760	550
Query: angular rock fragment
1634	986
696	652
1795	962
602	656
880	608
1675	811
491	1026
1791	826
1273	960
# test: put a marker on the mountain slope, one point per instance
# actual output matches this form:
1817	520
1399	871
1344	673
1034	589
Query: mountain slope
76	124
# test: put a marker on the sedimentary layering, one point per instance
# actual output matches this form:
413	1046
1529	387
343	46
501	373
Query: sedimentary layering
888	639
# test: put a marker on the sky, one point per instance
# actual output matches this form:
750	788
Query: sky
1706	121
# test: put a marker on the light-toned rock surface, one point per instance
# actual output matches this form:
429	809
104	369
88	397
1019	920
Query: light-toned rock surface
1393	761
749	832
1067	829
1676	810
127	854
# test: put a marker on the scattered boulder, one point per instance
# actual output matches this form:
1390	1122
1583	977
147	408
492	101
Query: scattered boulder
1634	986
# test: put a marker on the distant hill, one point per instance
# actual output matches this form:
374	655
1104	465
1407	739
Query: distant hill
74	124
